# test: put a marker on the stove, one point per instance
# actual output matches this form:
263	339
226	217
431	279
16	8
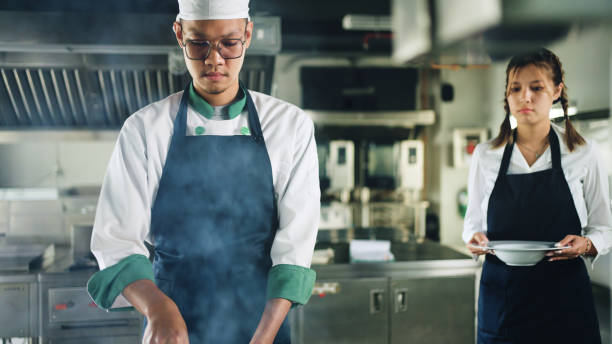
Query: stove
51	305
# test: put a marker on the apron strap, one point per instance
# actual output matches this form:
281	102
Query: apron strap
503	169
554	150
180	123
254	124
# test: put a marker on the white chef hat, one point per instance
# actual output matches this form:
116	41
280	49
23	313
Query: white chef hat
212	9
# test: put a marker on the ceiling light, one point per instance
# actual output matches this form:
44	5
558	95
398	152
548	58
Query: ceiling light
366	22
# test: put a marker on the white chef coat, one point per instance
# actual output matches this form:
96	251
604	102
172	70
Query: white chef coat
123	216
583	171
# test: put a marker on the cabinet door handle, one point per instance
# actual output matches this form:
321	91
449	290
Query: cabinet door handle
377	300
120	323
401	303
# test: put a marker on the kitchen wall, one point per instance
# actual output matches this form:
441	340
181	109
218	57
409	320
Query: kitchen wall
469	109
53	164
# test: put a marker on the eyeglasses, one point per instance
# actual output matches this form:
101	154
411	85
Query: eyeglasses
228	48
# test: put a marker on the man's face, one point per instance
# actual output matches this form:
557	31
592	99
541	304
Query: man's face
214	74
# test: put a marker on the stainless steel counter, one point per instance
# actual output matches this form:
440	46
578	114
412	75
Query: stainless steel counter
408	256
427	295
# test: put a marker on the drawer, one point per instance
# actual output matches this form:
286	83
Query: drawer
14	310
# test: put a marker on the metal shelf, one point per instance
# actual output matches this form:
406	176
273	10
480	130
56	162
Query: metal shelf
403	119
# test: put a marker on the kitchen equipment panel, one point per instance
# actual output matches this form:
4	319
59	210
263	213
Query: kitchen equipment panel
98	340
15	301
74	304
346	311
19	304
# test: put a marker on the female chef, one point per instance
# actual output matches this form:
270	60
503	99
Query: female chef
223	181
538	182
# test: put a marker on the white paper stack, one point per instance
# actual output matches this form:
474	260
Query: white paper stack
321	257
363	251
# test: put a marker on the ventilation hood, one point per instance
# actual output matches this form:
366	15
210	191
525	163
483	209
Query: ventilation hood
476	32
75	71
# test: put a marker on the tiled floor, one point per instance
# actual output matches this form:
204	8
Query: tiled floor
602	305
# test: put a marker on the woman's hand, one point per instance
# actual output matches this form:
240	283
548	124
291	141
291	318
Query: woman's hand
478	239
165	325
579	246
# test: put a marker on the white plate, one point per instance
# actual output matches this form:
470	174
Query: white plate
518	245
520	253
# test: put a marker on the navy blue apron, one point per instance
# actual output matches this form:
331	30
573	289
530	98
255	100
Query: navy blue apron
550	302
213	224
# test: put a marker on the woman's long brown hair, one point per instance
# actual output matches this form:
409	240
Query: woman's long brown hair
542	58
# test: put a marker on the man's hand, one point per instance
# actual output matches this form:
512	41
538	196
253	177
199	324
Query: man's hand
478	239
271	320
165	325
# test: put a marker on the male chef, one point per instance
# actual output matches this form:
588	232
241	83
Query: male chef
223	182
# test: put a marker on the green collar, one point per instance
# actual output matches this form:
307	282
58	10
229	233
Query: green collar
206	110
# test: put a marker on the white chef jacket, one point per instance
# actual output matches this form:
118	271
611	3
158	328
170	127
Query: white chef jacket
583	171
123	216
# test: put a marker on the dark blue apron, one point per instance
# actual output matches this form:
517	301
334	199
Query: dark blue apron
213	224
550	302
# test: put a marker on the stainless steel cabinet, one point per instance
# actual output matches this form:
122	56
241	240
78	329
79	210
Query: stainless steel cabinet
345	311
97	340
18	306
15	316
418	307
433	310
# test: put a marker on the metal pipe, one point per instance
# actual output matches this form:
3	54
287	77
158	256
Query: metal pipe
105	97
138	90
160	91
171	83
252	77
23	97
70	97
58	96
43	83
35	96
77	77
11	96
126	93
114	85
148	86
262	81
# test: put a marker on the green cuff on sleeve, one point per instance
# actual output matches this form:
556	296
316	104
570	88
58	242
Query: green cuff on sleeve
291	282
105	285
